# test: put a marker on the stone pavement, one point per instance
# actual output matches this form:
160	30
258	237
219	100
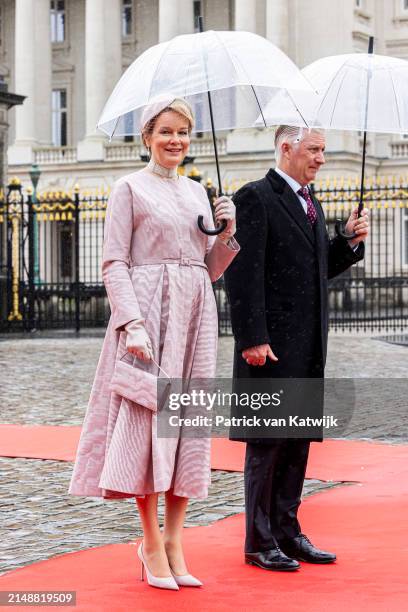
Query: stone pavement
47	381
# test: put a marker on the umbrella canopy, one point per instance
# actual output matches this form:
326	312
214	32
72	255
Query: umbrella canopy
358	91
241	70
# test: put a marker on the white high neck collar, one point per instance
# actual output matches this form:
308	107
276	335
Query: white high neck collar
156	168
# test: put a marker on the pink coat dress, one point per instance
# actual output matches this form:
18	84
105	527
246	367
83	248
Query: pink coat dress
158	266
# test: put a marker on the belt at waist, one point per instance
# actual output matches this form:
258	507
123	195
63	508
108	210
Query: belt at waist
181	261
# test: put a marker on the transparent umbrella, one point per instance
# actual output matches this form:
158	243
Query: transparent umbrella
359	91
241	70
227	77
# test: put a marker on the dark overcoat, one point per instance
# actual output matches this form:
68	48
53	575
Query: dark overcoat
277	285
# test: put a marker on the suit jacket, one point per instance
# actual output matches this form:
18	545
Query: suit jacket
277	285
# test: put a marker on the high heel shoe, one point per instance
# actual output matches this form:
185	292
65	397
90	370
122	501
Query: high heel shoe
167	582
187	580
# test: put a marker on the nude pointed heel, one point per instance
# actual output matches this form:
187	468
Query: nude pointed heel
187	580
155	581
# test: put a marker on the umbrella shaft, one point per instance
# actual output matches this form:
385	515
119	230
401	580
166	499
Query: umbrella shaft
360	204
220	193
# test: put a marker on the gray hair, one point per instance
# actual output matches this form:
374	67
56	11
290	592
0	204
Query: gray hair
292	135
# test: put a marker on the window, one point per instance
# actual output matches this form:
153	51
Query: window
66	250
405	5
57	21
127	17
359	3
59	117
129	126
198	10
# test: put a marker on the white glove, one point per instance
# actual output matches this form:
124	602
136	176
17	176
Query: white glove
225	209
137	340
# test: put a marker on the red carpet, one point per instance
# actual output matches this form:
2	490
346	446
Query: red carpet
328	461
365	523
39	441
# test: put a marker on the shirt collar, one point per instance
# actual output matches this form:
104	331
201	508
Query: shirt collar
156	168
290	181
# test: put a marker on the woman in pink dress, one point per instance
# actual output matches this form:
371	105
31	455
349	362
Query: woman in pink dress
157	269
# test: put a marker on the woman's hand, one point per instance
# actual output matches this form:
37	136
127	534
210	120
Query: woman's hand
137	340
225	209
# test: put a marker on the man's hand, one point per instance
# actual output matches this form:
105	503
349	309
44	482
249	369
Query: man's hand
256	355
358	225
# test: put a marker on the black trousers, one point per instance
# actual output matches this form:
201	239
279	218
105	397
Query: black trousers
274	476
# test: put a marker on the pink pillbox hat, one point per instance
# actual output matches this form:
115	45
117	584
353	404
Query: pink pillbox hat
154	107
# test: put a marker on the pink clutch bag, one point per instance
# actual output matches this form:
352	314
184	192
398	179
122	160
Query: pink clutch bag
139	386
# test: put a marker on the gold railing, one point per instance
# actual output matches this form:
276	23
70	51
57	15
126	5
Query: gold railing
335	194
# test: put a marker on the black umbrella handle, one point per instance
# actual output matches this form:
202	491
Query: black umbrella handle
211	232
340	225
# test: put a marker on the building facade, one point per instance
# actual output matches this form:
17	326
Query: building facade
65	56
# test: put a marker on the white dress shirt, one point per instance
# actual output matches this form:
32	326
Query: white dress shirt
294	185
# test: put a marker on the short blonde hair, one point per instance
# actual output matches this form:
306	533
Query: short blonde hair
179	106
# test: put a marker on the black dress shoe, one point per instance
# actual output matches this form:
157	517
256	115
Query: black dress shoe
302	549
272	559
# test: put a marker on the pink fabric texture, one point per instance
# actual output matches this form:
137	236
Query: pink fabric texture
151	246
135	384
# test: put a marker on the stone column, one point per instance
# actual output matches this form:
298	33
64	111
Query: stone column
168	19
245	15
277	23
43	72
186	17
21	151
245	20
103	50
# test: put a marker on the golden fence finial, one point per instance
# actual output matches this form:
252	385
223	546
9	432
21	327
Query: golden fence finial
76	188
194	171
15	181
29	191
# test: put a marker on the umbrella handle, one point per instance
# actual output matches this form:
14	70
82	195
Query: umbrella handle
339	227
211	232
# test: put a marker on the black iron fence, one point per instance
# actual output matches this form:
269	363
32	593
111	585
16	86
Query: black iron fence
50	260
50	255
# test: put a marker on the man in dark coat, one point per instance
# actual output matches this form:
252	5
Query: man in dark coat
278	292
